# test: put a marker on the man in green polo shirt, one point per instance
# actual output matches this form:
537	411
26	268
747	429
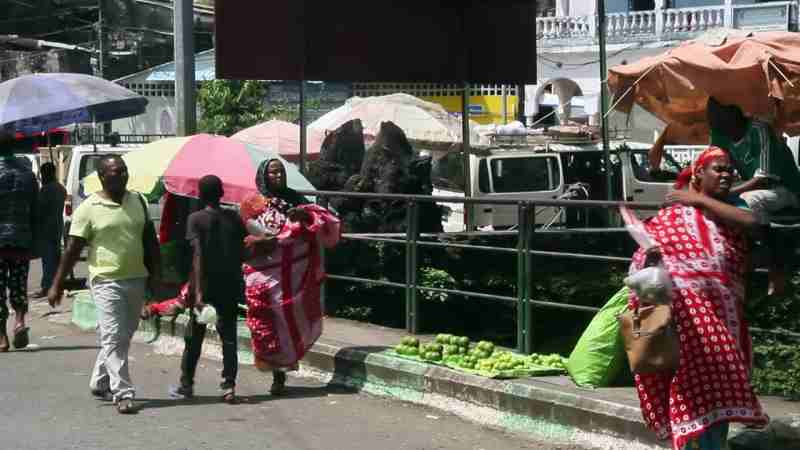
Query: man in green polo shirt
770	176
113	223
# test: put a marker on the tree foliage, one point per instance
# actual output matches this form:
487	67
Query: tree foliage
230	105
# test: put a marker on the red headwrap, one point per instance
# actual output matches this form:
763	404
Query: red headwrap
699	163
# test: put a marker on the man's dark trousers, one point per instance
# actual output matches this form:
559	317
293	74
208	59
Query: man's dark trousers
195	335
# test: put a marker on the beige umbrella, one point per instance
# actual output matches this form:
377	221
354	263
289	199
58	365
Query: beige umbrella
425	124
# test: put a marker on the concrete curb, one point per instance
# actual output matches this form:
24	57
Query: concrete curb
508	404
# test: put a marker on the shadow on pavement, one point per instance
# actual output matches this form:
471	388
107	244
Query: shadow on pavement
292	392
350	364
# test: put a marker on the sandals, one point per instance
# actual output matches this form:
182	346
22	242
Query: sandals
126	406
229	396
181	392
21	338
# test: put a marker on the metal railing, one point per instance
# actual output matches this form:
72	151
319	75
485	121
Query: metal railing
525	255
102	138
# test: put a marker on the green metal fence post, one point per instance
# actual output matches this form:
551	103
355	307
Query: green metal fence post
531	227
415	313
322	201
412	306
522	282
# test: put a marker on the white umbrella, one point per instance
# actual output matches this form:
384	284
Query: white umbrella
426	124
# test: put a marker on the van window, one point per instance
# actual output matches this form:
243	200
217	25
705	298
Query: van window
88	165
525	174
668	172
448	171
483	177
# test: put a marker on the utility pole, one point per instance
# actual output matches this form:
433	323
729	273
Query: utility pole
303	136
469	214
101	48
185	106
601	40
504	106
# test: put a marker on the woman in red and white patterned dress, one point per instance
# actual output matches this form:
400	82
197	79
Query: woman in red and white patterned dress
704	244
283	274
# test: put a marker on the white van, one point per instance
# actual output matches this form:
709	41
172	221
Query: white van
548	172
83	162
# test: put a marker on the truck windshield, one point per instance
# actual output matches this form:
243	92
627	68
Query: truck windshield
525	174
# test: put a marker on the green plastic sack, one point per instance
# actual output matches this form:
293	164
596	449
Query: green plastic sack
600	352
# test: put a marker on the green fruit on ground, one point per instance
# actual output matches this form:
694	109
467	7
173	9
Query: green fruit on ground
442	338
400	349
463	341
412	351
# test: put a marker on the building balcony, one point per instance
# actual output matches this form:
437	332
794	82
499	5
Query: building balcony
665	24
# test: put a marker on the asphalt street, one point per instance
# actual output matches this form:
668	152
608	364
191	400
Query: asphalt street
46	405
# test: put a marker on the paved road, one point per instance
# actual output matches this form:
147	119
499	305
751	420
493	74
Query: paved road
45	404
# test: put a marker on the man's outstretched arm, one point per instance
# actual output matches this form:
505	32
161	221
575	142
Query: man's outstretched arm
71	256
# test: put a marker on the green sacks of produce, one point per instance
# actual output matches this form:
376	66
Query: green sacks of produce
600	353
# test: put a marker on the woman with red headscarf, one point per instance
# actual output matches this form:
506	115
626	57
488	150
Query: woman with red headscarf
703	247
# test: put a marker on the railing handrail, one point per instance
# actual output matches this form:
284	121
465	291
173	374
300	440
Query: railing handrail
498	200
411	240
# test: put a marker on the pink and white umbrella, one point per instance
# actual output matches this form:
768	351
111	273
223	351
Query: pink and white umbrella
282	137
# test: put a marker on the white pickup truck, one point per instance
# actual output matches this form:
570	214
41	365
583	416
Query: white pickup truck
549	172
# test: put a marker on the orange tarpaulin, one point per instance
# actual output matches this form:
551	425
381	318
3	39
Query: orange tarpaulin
759	73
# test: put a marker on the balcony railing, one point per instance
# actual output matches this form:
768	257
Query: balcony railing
668	24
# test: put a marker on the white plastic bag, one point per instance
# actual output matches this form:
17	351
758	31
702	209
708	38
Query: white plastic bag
208	315
652	284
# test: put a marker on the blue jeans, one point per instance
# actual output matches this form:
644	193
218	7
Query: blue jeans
51	255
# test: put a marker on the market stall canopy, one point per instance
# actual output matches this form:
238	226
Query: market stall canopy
33	103
425	124
380	40
760	73
283	137
177	164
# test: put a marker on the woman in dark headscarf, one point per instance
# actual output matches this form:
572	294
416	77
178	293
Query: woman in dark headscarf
283	273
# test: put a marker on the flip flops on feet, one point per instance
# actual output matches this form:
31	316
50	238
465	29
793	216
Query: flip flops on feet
21	338
181	392
126	406
229	396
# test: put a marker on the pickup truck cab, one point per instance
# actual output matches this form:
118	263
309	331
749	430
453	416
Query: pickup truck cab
549	172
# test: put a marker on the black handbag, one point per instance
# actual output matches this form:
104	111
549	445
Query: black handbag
149	236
